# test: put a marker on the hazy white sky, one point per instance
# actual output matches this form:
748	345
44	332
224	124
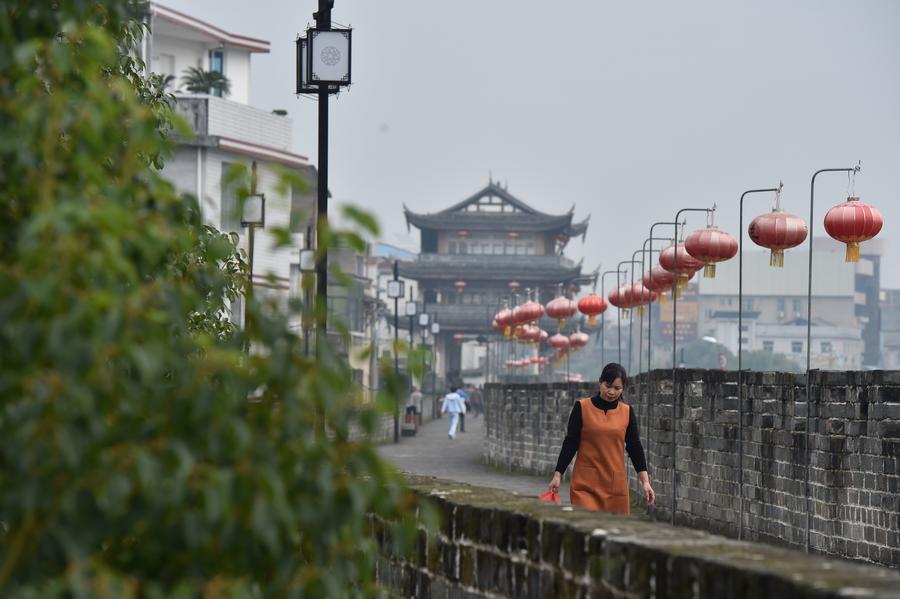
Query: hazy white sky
627	110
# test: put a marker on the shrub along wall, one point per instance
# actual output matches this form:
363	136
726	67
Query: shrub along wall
854	442
495	544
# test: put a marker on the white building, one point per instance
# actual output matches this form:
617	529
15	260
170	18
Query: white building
845	308
227	131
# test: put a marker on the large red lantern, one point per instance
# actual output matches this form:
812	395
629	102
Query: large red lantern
460	285
710	245
577	340
619	297
687	264
513	285
592	306
662	281
777	231
561	308
530	311
853	222
459	337
559	342
640	296
505	319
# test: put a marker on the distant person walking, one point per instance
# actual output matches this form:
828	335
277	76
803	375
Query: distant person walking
600	429
454	405
462	417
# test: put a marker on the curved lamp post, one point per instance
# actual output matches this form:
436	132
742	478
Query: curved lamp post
632	262
812	195
740	347
603	316
674	363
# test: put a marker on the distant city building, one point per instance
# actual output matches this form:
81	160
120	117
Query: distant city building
890	329
476	255
846	329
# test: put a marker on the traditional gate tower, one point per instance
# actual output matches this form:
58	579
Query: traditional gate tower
476	254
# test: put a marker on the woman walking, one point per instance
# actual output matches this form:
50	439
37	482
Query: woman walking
454	405
600	429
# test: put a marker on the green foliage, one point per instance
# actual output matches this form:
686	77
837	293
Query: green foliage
144	453
198	81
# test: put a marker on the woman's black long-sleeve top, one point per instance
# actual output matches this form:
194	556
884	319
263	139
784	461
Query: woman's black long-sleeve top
573	436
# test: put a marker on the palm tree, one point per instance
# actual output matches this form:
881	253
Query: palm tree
198	81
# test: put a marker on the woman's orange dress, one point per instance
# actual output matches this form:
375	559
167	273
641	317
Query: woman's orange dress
599	481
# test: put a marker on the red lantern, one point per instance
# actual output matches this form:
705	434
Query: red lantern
530	334
543	336
459	337
592	306
853	222
662	282
460	285
641	296
711	245
512	235
496	326
462	233
619	297
531	311
561	308
777	231
577	340
687	264
505	319
513	285
559	342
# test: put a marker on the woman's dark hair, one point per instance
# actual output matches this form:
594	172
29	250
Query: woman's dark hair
613	371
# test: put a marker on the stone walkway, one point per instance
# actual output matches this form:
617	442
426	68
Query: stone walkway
432	453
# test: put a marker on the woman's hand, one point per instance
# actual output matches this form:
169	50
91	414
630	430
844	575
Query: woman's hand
555	482
649	493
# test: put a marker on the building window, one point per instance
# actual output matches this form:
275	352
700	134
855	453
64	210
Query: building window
798	306
796	346
744	341
463	247
498	248
451	247
476	248
826	347
216	65
781	306
744	327
769	346
231	220
748	303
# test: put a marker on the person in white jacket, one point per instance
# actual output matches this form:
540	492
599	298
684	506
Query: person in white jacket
454	405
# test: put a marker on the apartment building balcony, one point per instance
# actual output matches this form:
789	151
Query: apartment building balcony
232	126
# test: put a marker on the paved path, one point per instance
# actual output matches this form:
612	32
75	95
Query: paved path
432	453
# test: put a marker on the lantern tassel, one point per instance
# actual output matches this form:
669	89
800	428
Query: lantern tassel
562	324
663	298
682	281
678	292
709	270
592	320
852	254
640	311
507	331
776	258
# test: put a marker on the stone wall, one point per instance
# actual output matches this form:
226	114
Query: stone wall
495	544
854	452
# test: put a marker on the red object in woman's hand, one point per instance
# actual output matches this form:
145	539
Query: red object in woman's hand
550	496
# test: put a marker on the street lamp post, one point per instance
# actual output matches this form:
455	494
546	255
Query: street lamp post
323	67
632	263
674	362
410	309
603	316
307	267
812	195
423	330
435	329
395	292
253	214
739	353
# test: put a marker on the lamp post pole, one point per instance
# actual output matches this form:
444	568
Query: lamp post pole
603	316
812	195
323	23
674	355
631	262
396	352
740	347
